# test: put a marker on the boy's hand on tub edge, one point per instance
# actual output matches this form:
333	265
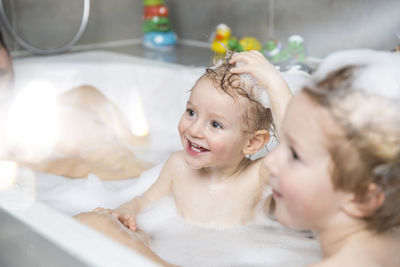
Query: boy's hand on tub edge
125	216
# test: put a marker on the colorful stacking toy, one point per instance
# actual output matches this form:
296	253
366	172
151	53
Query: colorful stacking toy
157	28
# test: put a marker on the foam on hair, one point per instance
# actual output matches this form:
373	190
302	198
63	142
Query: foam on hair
249	84
258	115
367	96
380	75
257	91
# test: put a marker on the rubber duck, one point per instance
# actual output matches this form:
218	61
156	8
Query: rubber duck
220	42
245	44
250	43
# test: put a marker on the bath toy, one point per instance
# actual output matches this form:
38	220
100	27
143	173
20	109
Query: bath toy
274	52
153	11
233	44
220	42
296	48
153	2
160	40
161	24
285	57
157	28
244	44
223	41
250	43
290	58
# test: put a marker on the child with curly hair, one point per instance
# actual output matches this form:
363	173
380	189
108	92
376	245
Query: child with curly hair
213	181
337	167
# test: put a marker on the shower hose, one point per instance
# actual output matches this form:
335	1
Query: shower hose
35	50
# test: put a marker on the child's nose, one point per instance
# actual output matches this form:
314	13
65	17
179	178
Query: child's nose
270	162
196	129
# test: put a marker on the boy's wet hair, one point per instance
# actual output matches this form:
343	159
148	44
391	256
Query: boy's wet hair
369	150
257	117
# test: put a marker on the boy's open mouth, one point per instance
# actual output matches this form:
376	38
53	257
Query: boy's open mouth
194	148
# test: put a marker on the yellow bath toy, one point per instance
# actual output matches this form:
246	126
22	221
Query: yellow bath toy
245	44
250	43
222	35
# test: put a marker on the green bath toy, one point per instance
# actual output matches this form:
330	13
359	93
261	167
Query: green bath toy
153	2
296	48
161	24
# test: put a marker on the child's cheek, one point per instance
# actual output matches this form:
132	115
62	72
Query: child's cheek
295	198
181	125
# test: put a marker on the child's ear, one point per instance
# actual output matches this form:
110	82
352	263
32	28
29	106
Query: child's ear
361	207
259	139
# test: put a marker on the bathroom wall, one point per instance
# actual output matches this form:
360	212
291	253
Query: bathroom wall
52	23
326	25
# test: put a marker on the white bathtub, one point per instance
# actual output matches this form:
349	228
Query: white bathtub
163	89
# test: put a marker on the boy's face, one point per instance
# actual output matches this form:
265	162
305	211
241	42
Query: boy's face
6	71
210	128
300	168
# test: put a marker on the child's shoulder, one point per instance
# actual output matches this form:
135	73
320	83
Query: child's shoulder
176	161
346	259
177	157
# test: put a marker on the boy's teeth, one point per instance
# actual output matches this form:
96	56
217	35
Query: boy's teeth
196	148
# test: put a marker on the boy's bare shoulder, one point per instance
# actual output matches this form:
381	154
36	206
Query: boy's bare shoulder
177	157
176	161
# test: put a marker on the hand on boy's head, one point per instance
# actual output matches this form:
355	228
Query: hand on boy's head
255	64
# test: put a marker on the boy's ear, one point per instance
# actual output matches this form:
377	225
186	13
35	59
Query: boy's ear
361	207
259	139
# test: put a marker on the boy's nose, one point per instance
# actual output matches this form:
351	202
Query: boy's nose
196	129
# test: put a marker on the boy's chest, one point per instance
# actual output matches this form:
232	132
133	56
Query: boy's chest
217	203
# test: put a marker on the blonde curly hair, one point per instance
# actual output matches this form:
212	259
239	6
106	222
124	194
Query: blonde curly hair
369	114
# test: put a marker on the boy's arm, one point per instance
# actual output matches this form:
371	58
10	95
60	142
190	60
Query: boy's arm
104	224
127	212
268	77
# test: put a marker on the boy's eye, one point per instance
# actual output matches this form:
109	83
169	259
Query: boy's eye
294	154
216	125
190	112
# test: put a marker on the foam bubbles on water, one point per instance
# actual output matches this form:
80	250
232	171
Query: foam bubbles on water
265	243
